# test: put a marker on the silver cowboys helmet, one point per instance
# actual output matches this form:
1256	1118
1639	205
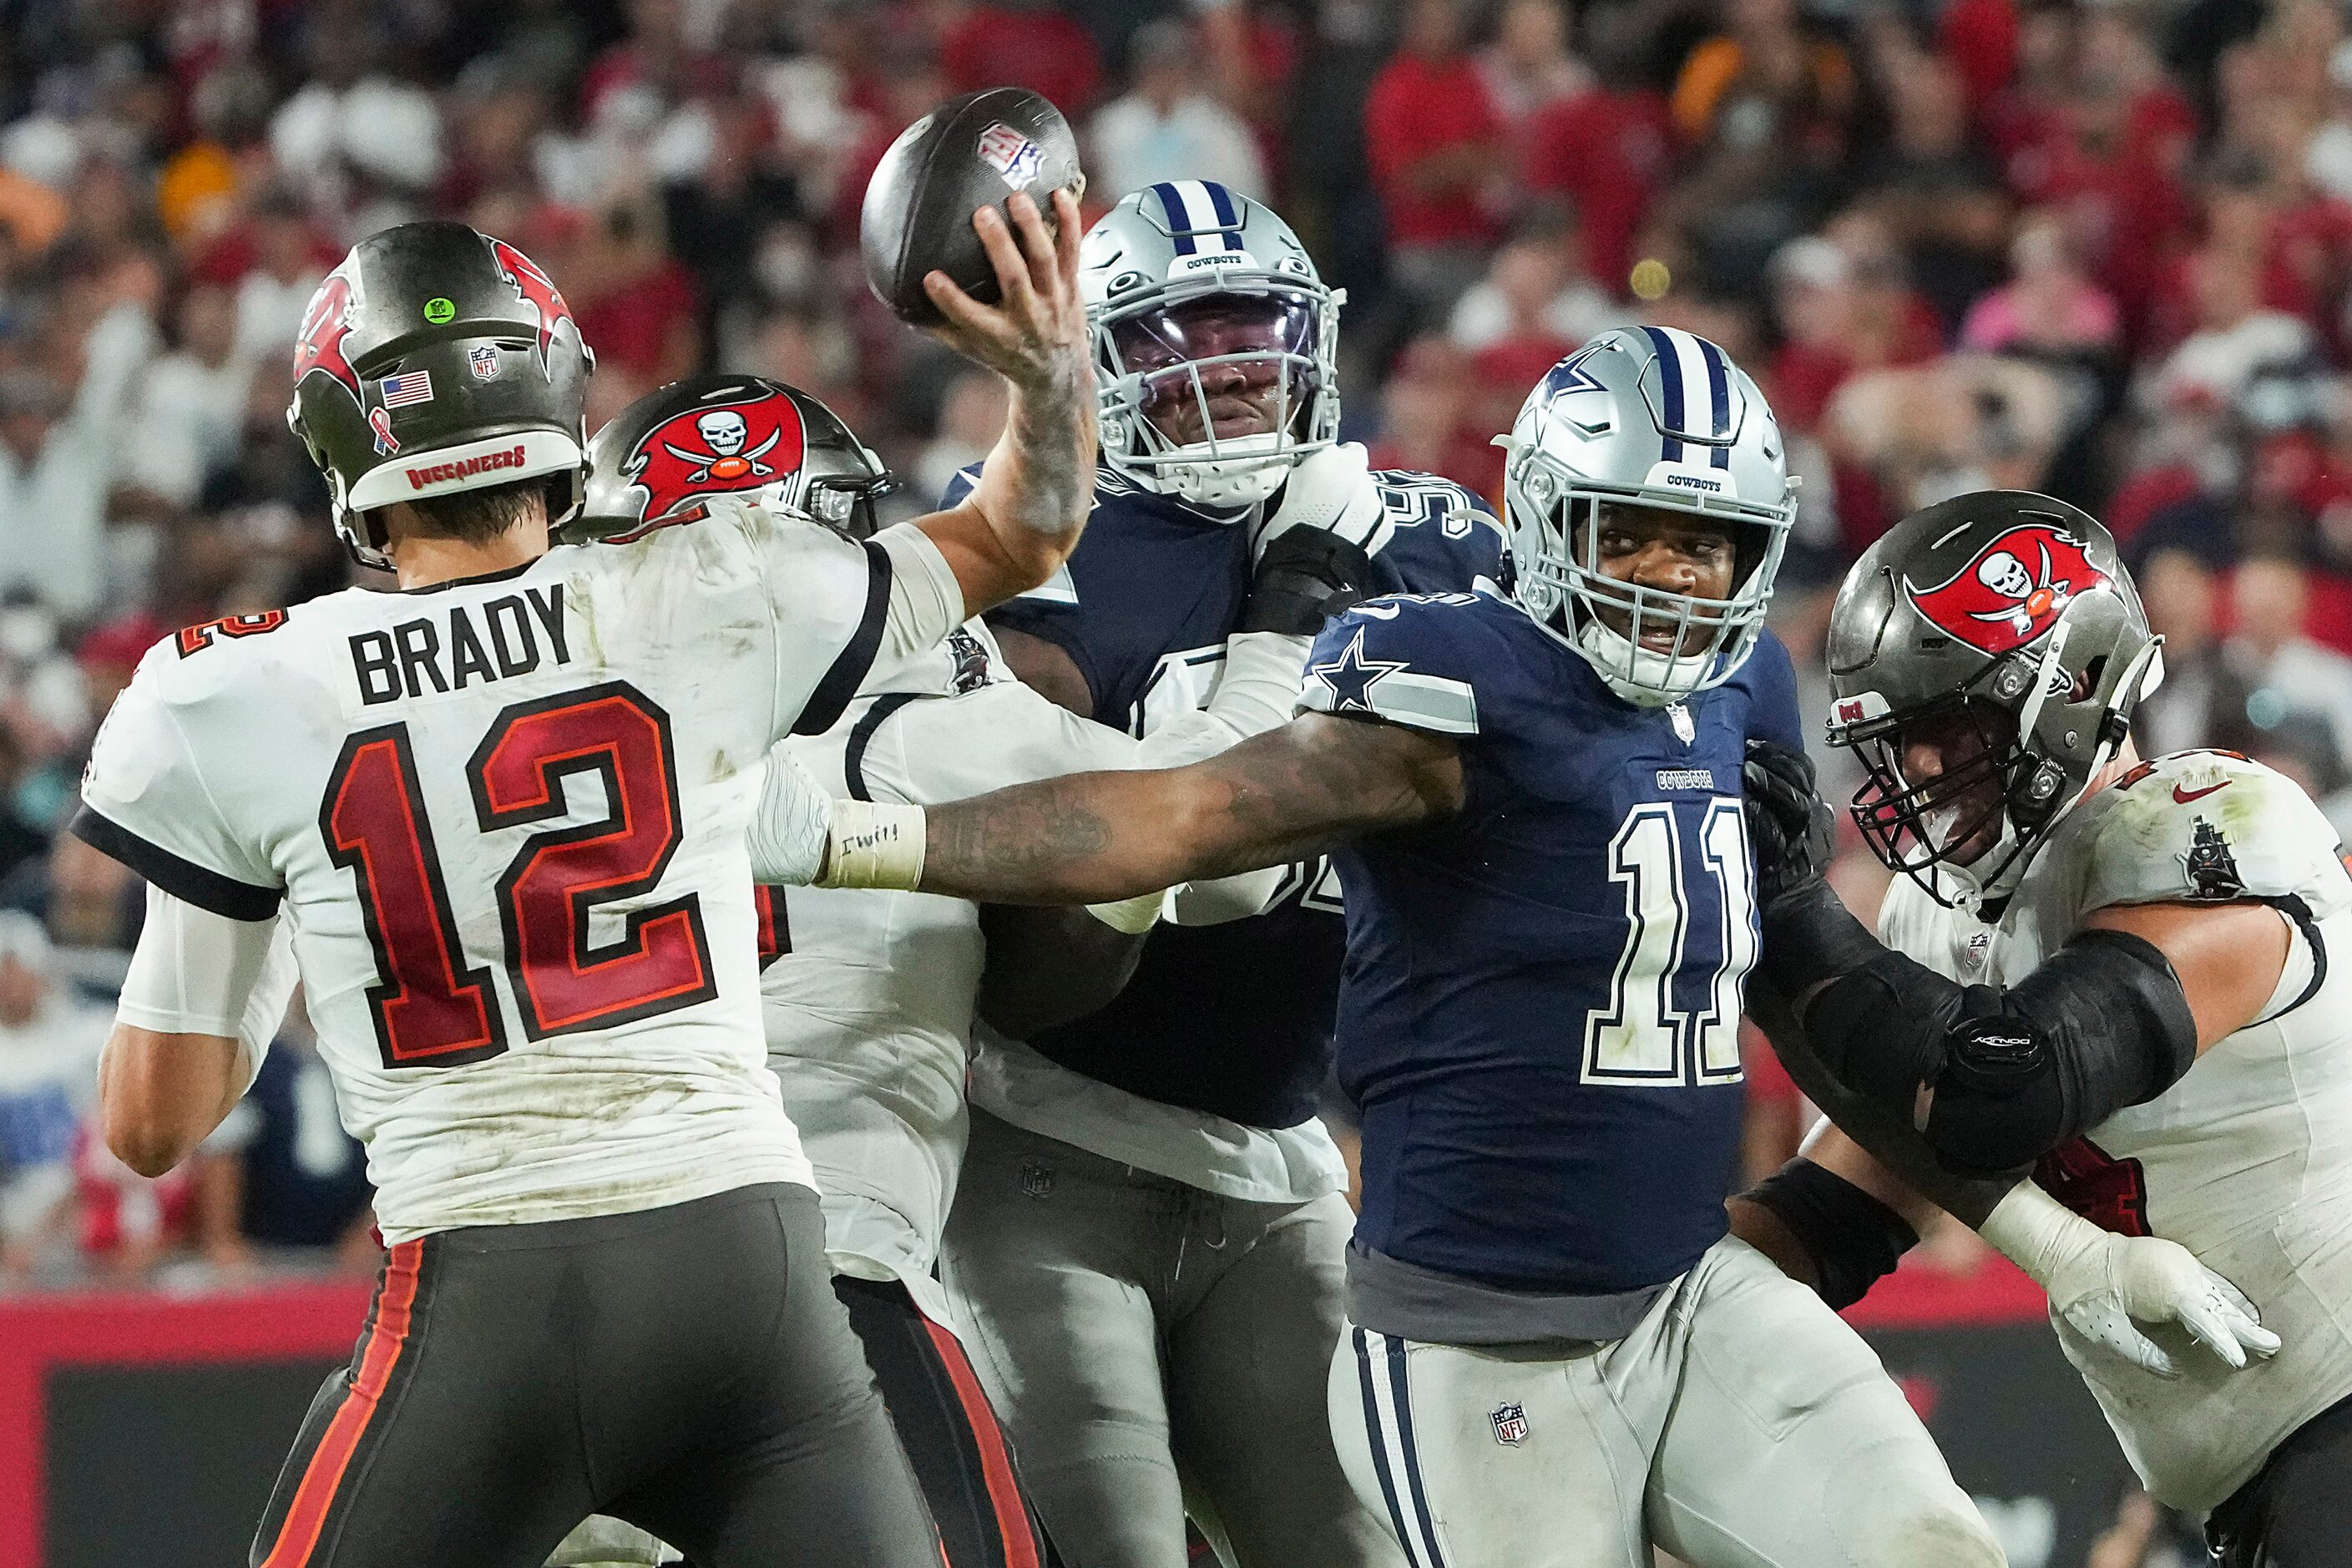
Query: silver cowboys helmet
1199	295
2003	623
1651	418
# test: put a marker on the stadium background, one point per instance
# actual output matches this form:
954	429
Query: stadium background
2100	249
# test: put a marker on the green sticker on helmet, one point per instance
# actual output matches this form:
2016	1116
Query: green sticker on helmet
439	311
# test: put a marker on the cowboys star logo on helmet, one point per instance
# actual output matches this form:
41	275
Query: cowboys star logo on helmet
534	288
2012	591
732	447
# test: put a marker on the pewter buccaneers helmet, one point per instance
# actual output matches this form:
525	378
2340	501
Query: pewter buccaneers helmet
1148	271
434	360
733	435
1646	417
2006	608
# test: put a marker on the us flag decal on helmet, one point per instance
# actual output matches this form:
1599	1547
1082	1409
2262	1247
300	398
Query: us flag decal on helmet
2012	591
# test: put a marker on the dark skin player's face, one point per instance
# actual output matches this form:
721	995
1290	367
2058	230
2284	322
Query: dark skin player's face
1673	551
1245	396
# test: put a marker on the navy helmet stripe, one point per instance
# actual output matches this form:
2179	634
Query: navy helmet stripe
1670	373
1718	386
1378	1441
1229	217
1403	1398
1718	390
1180	223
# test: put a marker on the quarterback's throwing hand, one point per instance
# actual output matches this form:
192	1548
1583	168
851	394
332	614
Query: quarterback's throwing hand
1036	338
1792	827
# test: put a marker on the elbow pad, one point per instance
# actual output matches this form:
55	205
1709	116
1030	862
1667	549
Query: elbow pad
2101	1025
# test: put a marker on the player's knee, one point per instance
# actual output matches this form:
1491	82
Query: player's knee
1926	1527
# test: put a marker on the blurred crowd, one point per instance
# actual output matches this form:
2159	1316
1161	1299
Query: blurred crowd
2103	249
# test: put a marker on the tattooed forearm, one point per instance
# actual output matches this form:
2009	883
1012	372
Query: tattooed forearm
1049	448
1092	837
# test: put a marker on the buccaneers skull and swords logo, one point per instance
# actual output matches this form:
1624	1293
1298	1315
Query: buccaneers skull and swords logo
2012	590
740	446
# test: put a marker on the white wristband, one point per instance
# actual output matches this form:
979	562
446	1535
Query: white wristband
2038	1233
874	844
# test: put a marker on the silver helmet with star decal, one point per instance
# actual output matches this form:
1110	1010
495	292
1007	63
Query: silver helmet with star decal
1657	418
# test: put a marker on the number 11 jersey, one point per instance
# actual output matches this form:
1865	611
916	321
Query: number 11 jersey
1540	1008
504	819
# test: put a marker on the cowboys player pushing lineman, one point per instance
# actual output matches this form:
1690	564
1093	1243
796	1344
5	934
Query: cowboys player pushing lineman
1148	1237
1558	1356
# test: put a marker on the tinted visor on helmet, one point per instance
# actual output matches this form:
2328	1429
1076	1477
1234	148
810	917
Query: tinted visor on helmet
846	501
1214	368
1946	817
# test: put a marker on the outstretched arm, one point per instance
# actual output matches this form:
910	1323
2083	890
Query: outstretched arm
1292	793
1317	782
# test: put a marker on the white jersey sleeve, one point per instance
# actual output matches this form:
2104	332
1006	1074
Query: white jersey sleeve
2208	827
147	801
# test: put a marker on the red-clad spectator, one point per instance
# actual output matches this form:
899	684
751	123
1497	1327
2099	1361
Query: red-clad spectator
1434	142
1844	307
636	303
1605	149
1979	38
1426	422
1021	43
657	56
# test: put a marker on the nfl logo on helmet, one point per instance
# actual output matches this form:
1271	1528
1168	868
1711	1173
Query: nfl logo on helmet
1510	1424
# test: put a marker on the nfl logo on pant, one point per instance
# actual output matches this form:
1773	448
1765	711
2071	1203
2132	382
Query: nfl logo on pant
1510	1424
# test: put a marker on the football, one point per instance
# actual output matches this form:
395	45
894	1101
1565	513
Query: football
971	151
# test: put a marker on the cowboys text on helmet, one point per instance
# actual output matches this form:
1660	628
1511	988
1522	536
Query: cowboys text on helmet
1647	423
1215	343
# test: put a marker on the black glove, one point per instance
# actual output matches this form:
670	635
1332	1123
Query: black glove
1304	576
1792	828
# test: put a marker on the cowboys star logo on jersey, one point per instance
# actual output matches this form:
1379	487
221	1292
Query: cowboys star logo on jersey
534	288
727	447
2012	591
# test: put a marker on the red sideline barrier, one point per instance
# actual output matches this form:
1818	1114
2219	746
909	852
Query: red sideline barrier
1916	1297
280	1320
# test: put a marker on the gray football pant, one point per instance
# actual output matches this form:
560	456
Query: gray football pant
1137	1334
1742	1425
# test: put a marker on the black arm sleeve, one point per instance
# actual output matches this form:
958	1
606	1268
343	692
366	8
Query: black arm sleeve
1852	1237
2101	1025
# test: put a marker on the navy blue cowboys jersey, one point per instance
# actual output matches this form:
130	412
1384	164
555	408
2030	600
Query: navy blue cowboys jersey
1234	1019
1540	1013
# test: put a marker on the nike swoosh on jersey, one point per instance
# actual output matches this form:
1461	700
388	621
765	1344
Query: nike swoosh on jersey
2183	796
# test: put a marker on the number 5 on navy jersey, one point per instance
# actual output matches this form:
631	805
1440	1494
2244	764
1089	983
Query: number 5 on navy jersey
1673	1016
